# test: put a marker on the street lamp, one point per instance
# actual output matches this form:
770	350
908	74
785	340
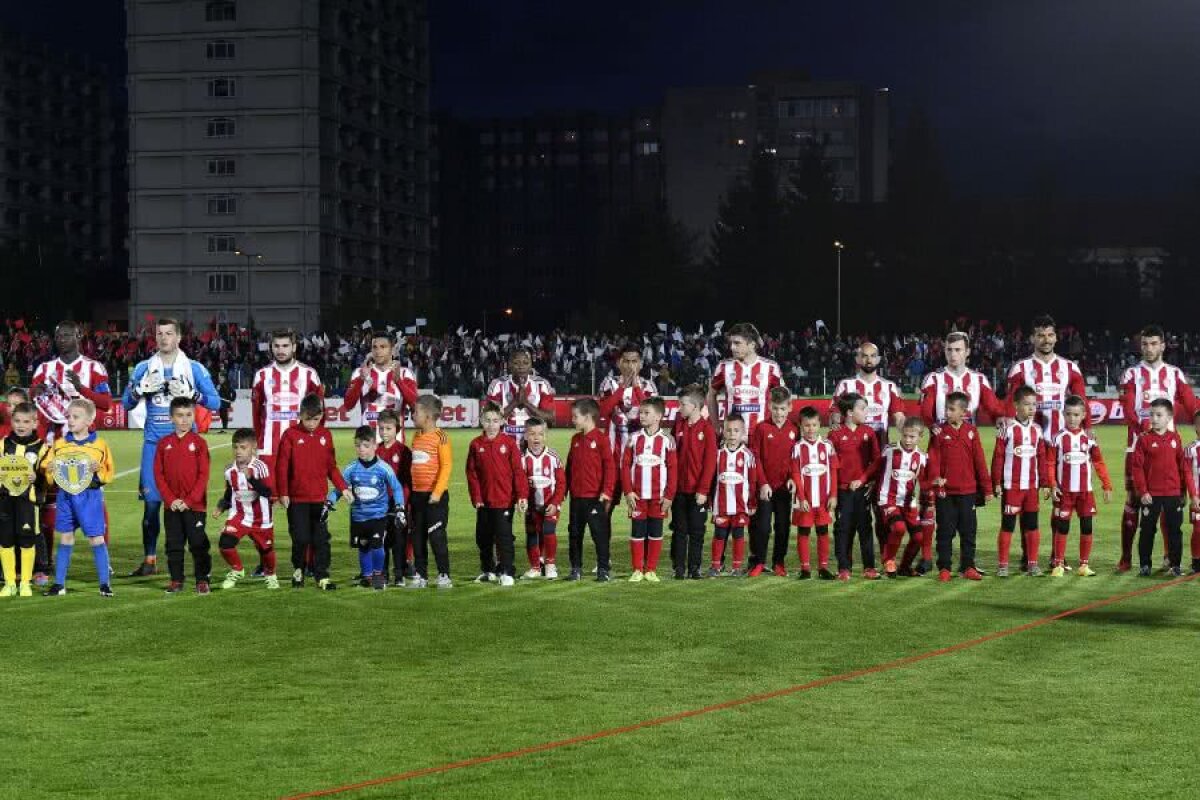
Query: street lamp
250	258
838	247
508	312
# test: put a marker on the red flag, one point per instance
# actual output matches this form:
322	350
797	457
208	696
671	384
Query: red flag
149	318
19	324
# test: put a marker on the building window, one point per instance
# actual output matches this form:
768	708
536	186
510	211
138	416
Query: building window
220	50
647	148
220	11
222	282
221	128
220	243
220	204
221	167
222	87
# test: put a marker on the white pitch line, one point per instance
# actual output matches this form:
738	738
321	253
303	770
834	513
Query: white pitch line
138	468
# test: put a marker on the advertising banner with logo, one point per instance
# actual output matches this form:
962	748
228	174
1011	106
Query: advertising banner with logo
457	412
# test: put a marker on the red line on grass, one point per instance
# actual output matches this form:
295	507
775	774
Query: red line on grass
742	701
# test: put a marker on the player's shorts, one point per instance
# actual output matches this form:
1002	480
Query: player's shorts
911	517
263	538
83	511
813	518
1082	504
538	523
1019	501
647	509
368	534
147	487
731	520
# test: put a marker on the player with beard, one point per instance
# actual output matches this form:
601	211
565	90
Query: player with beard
380	383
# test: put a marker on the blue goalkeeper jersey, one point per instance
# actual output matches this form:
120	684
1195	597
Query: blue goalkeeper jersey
158	404
375	487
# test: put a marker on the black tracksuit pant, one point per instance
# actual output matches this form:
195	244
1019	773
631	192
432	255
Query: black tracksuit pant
778	510
590	513
688	519
853	516
1170	509
306	529
494	538
187	527
428	525
956	517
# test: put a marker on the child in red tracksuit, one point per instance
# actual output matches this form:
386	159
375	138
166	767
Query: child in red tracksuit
959	472
772	441
591	475
649	476
181	464
1192	455
696	443
496	482
857	446
547	489
1160	477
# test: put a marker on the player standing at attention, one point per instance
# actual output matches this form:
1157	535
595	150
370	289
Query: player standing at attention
960	474
814	475
247	498
1192	454
696	454
857	447
430	502
522	394
743	381
1072	455
380	383
1053	379
496	483
1151	379
19	498
276	394
547	489
957	377
902	475
591	474
181	474
1019	469
395	454
650	475
1163	484
772	443
619	399
373	489
81	463
739	481
154	383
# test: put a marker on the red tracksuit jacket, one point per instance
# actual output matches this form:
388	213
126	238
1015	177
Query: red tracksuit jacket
181	470
696	445
1158	467
857	451
495	476
305	466
772	446
399	458
591	471
956	454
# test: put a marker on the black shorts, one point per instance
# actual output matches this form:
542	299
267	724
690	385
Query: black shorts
368	534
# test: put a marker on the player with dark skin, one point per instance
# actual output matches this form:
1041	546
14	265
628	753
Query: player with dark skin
66	343
520	366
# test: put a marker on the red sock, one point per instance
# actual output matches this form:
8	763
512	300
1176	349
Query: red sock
802	549
1085	548
653	551
535	556
718	552
549	546
637	553
910	550
268	561
1128	526
1196	540
310	556
1060	549
823	550
895	536
1003	547
232	558
1033	540
927	539
408	552
739	551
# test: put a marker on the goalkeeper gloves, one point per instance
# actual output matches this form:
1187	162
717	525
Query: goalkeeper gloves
326	509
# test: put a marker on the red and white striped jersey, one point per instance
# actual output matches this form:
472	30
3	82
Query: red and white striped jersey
1054	381
738	479
746	388
940	383
814	471
1018	461
648	466
622	421
504	390
275	401
52	403
903	472
883	399
547	477
1191	456
247	508
1142	384
376	389
1074	453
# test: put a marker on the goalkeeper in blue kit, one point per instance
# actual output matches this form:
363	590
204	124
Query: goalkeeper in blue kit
154	384
375	490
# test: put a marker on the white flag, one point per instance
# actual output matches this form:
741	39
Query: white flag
462	331
422	322
719	326
391	328
677	336
410	329
662	326
366	326
504	337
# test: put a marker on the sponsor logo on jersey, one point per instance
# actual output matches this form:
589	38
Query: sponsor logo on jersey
366	493
648	460
286	399
730	477
540	481
813	470
420	457
1025	451
1075	458
247	496
903	475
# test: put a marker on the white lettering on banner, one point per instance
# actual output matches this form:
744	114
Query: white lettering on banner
457	412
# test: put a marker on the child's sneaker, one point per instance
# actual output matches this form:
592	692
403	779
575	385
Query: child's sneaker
804	575
232	578
1144	571
174	587
1033	570
843	575
651	577
202	587
1124	566
1166	564
415	582
378	582
1085	571
40	579
531	573
636	577
485	577
551	572
737	572
55	590
824	574
575	575
9	590
298	579
1002	571
602	576
271	581
26	590
326	585
972	574
924	567
1175	572
506	580
780	571
889	568
714	572
1058	572
105	590
756	570
444	582
871	574
944	576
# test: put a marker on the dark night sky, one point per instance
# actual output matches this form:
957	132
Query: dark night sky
1102	92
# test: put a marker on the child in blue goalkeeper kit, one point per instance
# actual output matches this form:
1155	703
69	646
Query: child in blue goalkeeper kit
374	490
154	384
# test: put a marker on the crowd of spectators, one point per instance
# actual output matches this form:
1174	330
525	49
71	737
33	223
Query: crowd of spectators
462	362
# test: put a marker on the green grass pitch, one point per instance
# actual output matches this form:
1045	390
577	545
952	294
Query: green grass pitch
255	694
